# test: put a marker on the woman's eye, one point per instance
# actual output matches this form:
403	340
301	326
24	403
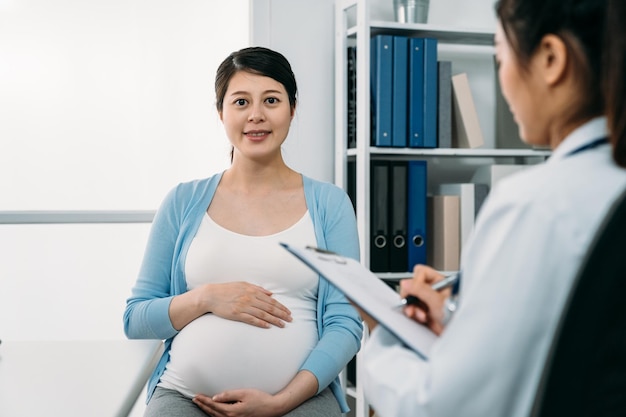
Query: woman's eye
272	100
240	102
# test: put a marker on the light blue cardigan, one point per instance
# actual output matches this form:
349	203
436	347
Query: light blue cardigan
162	276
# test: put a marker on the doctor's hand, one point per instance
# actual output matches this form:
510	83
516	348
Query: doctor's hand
432	315
255	403
245	302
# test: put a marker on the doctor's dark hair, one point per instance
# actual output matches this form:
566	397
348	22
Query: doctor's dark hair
255	60
580	24
615	80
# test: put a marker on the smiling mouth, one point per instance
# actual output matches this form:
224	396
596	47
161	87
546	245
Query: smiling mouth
257	134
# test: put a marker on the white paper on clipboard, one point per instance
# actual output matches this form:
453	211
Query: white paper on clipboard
370	293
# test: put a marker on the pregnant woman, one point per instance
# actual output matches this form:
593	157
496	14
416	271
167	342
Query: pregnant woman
248	329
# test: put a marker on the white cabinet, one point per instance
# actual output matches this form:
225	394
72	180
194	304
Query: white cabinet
469	50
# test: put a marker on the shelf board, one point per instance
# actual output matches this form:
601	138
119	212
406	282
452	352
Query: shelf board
397	276
75	216
456	152
445	34
393	276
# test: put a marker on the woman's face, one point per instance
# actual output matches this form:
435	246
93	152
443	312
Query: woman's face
256	115
523	92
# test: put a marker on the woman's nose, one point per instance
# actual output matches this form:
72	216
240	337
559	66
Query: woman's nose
256	114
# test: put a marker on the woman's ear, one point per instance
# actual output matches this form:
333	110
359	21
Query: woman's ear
552	58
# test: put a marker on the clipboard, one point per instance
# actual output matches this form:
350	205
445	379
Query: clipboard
369	292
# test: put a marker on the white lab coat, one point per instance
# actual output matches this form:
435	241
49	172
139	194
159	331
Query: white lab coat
518	266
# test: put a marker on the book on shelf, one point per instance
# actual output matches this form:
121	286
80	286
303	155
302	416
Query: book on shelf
471	197
381	89
431	75
404	84
351	182
444	104
397	215
351	96
416	213
466	130
379	216
423	93
444	230
399	95
398	212
416	93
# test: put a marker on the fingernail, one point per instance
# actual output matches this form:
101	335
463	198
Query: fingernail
420	316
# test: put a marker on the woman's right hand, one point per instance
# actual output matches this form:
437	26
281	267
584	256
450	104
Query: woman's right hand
245	302
239	301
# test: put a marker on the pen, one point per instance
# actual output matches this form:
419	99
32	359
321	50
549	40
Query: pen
316	249
449	281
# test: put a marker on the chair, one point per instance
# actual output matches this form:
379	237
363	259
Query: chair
585	372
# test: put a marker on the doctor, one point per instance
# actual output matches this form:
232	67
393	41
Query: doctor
531	234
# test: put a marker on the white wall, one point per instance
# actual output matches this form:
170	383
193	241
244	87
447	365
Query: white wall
302	30
104	105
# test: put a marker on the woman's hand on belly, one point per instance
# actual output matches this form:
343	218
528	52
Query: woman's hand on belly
238	301
245	302
256	403
240	403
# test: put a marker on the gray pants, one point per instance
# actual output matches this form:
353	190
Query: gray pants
170	403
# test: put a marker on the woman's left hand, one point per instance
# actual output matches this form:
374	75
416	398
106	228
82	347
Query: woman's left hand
239	403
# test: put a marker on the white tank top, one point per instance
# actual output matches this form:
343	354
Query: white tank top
212	354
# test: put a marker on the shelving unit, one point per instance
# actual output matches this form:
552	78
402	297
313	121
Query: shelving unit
353	27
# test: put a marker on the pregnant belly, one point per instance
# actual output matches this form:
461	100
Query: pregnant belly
212	354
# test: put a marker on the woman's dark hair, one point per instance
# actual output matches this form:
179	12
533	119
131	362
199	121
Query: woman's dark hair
579	23
256	60
614	82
